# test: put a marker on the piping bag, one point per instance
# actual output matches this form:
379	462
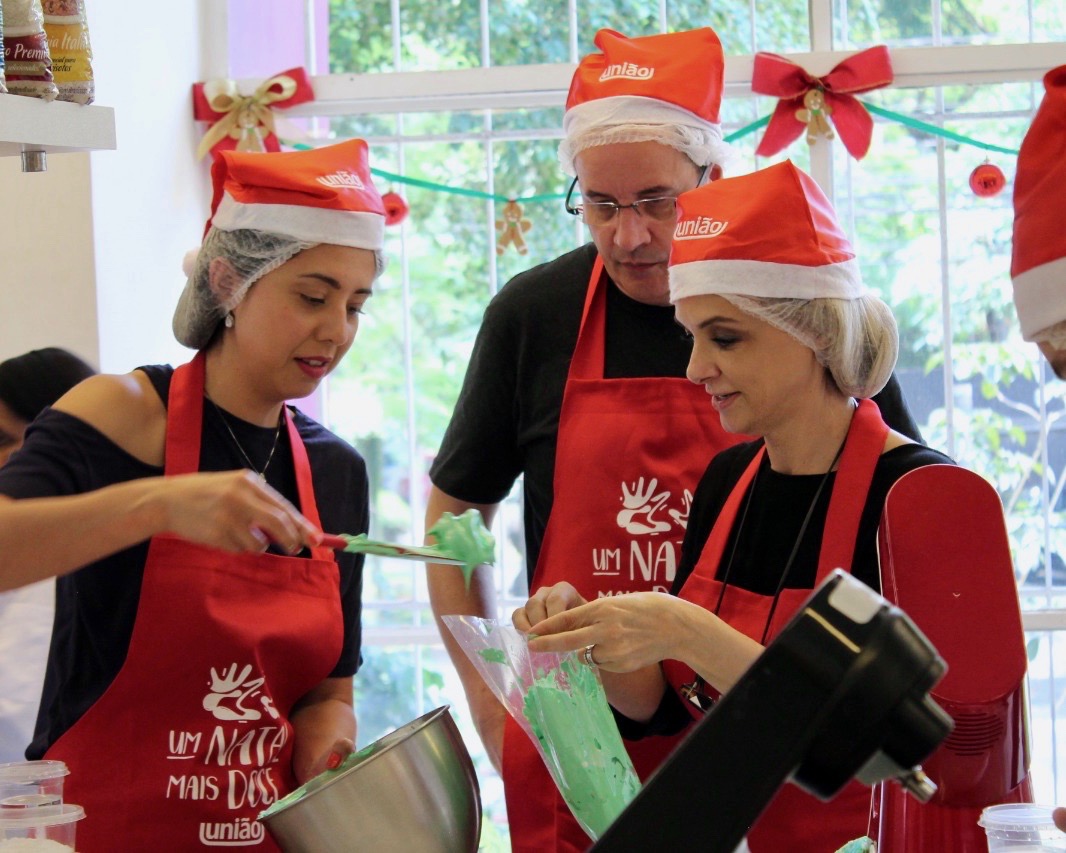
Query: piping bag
462	540
560	704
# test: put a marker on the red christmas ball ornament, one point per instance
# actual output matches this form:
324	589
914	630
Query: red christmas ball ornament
396	208
987	180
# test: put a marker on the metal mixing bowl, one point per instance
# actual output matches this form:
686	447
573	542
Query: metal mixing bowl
413	790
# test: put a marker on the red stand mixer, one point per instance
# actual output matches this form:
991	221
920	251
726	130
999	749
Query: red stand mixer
946	562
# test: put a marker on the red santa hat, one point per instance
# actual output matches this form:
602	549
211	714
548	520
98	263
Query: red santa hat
661	88
282	203
769	233
324	195
1038	263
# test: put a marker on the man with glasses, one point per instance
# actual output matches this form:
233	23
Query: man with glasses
577	383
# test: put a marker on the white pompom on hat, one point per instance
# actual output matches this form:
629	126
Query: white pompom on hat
770	233
1038	263
662	88
294	199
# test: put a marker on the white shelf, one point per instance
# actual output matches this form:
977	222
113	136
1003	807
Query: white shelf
56	126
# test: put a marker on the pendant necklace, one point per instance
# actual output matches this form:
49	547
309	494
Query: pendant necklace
229	429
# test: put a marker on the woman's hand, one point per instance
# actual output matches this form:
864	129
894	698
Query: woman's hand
635	631
323	725
332	758
622	631
230	510
627	632
545	602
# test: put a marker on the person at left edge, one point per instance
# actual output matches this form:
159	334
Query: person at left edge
29	383
202	659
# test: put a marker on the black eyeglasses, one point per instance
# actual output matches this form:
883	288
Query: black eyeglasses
661	208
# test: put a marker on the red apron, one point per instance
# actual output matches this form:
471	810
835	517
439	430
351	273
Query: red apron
629	453
192	739
794	820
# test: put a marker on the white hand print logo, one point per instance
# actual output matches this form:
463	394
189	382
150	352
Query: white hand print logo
230	691
681	515
640	506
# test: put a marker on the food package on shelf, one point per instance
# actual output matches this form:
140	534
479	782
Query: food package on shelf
68	46
28	66
3	87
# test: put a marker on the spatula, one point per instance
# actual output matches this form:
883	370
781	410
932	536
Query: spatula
462	540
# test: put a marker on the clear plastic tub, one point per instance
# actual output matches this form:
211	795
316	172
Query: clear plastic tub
43	829
32	777
1020	827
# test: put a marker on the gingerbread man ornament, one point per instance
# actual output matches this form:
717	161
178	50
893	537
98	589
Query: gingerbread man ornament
511	229
815	115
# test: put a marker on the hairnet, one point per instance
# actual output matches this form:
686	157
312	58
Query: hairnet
854	339
702	146
251	255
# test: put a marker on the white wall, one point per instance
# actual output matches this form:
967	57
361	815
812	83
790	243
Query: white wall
47	283
150	196
92	248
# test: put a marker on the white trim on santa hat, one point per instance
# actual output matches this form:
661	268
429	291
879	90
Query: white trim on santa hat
762	278
1040	297
356	228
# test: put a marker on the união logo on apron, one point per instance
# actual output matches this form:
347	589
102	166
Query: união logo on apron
246	755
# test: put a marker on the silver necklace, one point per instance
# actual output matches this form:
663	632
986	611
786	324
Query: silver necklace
229	429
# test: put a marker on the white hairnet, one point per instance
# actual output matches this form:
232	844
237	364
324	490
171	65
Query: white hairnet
251	254
854	339
701	145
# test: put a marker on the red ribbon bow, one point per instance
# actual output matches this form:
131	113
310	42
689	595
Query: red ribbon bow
784	79
246	122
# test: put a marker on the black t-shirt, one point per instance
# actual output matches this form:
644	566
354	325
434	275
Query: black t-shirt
96	606
507	417
771	524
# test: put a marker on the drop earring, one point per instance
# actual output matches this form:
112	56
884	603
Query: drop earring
228	322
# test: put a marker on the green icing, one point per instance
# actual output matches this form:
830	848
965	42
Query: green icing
459	537
494	655
859	845
464	537
579	736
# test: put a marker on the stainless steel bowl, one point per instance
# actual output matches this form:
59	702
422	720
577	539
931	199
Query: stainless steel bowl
413	790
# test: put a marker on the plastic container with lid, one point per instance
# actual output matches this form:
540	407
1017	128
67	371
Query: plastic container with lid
32	777
1017	827
41	828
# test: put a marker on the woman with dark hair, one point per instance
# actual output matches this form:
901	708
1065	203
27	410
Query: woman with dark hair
205	642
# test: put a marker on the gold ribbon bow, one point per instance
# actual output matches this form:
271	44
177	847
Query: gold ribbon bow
245	116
